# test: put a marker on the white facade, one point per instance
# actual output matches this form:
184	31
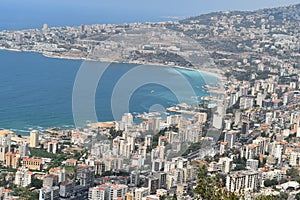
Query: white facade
242	180
34	139
23	177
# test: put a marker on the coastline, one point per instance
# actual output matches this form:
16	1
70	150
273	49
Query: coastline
209	71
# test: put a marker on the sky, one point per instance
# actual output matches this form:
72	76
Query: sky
16	14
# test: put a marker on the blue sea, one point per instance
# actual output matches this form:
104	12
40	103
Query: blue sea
36	91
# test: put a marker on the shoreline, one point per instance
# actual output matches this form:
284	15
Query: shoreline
217	73
209	71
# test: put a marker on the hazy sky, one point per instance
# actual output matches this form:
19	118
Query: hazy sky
188	6
185	7
32	13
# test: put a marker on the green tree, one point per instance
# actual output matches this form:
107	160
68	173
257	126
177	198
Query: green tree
37	183
210	188
270	197
297	197
269	182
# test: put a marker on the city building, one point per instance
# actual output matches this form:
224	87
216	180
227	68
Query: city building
52	147
66	189
230	138
34	139
12	160
33	163
49	193
141	193
242	180
23	177
108	192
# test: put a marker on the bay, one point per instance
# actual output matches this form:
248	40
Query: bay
36	91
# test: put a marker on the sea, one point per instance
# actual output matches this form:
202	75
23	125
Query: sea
36	91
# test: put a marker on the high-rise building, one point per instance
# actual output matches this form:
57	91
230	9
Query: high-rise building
242	180
134	178
227	124
173	119
202	117
23	177
5	147
125	123
158	165
140	193
230	138
127	118
158	152
226	164
263	144
223	146
233	98
50	180
52	147
23	149
246	102
12	160
259	99
148	140
298	127
82	28
294	158
153	184
162	179
49	193
237	117
60	173
243	91
99	167
97	193
6	193
34	139
155	124
107	192
269	117
66	189
45	27
245	129
217	121
85	175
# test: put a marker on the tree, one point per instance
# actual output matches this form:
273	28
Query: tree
297	197
34	152
270	197
37	183
293	173
210	188
239	167
269	182
240	164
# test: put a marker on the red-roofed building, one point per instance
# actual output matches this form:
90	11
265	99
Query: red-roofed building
71	162
12	160
32	163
